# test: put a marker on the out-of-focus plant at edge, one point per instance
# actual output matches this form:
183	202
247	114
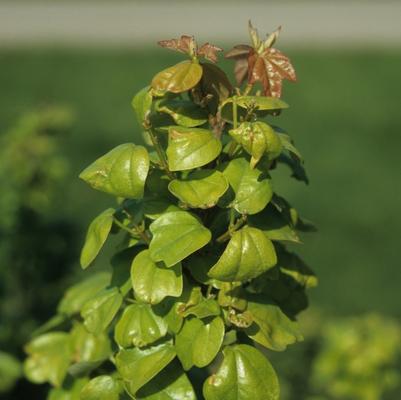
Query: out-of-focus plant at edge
344	358
34	239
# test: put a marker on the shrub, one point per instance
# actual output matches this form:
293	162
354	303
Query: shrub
202	277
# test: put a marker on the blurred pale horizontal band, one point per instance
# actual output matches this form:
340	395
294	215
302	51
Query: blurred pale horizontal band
314	23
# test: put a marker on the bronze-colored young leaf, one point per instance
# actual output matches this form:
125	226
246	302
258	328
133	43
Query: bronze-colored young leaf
209	51
264	64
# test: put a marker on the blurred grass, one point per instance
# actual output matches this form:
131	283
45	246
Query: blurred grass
344	117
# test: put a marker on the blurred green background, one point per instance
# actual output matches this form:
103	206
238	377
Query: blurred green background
344	117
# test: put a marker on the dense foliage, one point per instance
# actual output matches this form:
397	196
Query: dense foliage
202	274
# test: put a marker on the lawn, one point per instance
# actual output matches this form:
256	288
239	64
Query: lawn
344	117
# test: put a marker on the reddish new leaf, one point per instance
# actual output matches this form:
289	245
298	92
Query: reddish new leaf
209	51
263	64
184	44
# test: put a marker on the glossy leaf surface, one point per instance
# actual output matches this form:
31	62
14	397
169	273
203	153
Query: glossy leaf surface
201	189
184	113
152	281
257	138
121	172
176	235
139	326
251	187
178	78
169	384
255	103
272	328
248	254
198	342
139	366
142	103
99	311
97	234
103	387
190	148
244	374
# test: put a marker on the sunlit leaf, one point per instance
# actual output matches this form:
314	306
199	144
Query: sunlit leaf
152	281
201	189
176	235
198	342
139	326
257	138
184	113
99	311
121	172
142	103
97	234
169	384
178	78
190	148
244	374
69	391
271	327
76	296
103	387
139	366
248	254
89	347
251	187
49	356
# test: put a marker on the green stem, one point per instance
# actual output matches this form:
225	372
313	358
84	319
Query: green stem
133	232
233	145
227	235
126	287
160	153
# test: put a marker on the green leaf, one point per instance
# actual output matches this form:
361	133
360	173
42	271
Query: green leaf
178	78
139	326
99	311
198	342
103	387
176	235
184	113
69	391
271	327
10	371
88	347
233	296
152	281
76	296
142	103
190	148
202	309
292	265
49	356
121	172
288	144
248	254
259	104
244	374
251	187
274	225
139	366
201	189
97	234
257	138
170	384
